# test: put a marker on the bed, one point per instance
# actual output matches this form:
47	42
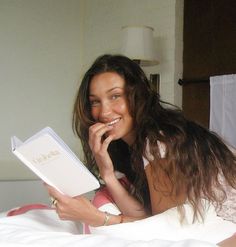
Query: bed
39	225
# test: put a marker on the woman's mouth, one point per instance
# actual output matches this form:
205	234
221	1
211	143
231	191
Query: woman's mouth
113	122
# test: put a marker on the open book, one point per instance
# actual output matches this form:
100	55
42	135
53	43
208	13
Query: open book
52	160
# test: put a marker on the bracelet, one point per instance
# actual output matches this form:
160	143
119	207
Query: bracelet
107	217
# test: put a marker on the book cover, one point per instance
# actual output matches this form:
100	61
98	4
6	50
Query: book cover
46	154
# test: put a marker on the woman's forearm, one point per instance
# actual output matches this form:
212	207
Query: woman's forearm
127	204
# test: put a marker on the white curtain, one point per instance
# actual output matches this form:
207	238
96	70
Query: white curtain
223	107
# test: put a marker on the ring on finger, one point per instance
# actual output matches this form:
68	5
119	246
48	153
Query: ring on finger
54	202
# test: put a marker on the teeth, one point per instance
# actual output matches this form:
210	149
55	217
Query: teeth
113	122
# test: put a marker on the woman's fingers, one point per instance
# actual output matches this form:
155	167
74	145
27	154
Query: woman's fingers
107	141
99	129
99	140
55	195
96	132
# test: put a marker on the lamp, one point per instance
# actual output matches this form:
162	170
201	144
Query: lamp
138	45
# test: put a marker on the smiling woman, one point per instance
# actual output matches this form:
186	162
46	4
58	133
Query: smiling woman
167	162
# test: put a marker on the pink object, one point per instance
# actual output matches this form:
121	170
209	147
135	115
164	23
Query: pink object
26	208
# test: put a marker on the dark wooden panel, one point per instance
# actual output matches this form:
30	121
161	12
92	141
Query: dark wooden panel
196	105
209	38
209	49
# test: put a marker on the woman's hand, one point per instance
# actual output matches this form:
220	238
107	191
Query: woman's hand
99	140
76	208
100	137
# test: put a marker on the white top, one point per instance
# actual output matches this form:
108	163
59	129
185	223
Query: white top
149	156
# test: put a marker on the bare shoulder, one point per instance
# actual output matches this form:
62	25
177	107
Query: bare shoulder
161	191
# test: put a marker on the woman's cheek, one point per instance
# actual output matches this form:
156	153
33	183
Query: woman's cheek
121	107
94	113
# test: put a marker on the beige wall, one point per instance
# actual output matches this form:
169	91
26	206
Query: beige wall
102	33
46	46
178	51
39	67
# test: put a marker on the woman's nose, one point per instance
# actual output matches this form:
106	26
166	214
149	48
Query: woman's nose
105	110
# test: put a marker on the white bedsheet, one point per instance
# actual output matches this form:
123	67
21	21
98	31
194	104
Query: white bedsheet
167	226
43	228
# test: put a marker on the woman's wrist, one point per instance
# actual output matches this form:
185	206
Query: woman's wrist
100	218
109	178
110	219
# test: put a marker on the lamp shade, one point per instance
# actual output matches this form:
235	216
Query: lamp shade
138	44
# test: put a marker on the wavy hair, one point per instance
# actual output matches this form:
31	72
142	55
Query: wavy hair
194	158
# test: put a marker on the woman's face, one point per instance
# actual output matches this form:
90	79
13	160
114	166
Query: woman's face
109	104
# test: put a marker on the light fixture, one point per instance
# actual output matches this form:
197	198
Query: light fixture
138	45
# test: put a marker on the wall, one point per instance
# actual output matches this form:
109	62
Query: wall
102	33
27	192
178	57
40	65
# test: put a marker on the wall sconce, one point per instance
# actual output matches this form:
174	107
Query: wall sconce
138	45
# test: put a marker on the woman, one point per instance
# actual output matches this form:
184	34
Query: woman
123	125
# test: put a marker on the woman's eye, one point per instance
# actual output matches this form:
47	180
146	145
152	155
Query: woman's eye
115	96
94	102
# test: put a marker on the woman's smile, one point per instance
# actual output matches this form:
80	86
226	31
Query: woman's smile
113	122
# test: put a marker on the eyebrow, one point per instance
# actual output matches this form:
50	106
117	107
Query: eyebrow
108	91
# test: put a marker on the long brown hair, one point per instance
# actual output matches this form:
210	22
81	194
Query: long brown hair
194	156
